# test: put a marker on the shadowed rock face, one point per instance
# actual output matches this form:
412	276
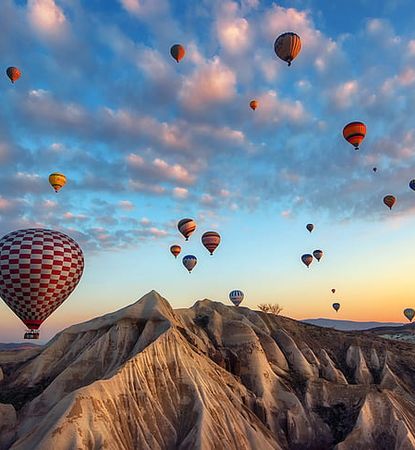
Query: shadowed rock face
208	377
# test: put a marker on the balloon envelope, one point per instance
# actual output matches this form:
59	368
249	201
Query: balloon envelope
177	51
39	269
287	46
389	201
318	254
13	73
254	104
57	181
354	133
236	297
333	290
336	306
189	261
211	240
186	227
412	185
307	259
310	227
409	313
175	250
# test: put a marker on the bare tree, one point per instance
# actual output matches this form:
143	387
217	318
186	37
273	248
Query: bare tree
271	308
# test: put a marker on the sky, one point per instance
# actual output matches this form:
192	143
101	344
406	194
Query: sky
145	141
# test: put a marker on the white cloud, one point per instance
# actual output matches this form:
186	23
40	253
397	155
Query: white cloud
345	95
45	16
126	205
212	82
180	193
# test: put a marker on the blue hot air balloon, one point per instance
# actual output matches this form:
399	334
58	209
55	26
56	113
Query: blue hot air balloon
236	297
189	261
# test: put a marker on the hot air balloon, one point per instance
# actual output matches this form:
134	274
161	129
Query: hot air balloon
389	201
412	185
186	227
236	297
354	133
175	250
13	73
310	227
375	169
189	261
336	306
333	290
39	269
177	52
211	240
409	313
318	254
254	104
307	259
57	181
287	46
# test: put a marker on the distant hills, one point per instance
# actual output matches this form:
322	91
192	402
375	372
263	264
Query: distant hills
17	346
350	325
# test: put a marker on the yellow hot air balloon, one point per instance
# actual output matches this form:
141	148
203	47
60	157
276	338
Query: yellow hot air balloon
287	46
57	181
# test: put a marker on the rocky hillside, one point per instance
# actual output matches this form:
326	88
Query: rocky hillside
208	377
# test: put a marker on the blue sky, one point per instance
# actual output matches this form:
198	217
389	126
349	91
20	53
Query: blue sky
144	142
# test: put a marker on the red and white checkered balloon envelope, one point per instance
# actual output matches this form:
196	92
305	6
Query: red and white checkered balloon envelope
39	269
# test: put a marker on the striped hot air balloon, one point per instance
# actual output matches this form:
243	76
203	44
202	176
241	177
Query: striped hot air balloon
254	104
39	269
389	201
186	227
287	46
211	240
177	51
13	73
236	297
189	261
354	133
57	181
175	250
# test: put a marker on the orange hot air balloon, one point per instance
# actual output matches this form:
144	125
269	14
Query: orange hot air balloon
175	250
13	73
287	46
254	104
389	201
354	133
177	52
211	240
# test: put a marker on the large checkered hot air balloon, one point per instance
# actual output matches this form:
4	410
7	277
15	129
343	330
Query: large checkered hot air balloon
39	269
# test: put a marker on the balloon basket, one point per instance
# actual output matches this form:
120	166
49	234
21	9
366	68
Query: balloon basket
31	334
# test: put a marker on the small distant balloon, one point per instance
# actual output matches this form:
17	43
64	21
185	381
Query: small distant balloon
409	313
310	227
354	133
307	259
189	261
57	181
175	250
287	46
389	201
177	51
186	227
333	290
211	240
375	169
336	306
254	104
318	254
13	73
412	185
236	297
